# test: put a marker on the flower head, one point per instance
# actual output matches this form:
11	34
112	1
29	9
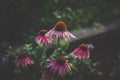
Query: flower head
60	65
60	31
41	38
23	60
82	51
47	74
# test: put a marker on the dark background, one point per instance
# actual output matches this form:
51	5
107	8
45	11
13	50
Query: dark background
19	17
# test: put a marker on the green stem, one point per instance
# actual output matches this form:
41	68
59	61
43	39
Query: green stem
58	44
77	69
44	53
42	61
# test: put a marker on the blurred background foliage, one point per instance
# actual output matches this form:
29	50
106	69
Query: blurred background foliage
22	19
27	17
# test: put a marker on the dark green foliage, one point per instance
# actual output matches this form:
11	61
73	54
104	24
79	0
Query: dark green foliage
28	16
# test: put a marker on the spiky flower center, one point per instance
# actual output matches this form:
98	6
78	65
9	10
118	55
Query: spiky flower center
42	32
60	60
60	26
84	47
22	55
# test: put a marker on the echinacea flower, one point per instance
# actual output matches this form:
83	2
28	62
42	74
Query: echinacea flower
60	31
47	74
23	60
59	65
82	52
41	38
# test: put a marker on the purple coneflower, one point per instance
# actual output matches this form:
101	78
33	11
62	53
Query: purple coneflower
82	51
41	38
23	60
60	65
60	31
47	74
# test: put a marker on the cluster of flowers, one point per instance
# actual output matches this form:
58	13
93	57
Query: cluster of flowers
59	66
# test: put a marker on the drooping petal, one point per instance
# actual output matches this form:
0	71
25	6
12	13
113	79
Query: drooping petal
81	53
23	61
60	31
61	68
